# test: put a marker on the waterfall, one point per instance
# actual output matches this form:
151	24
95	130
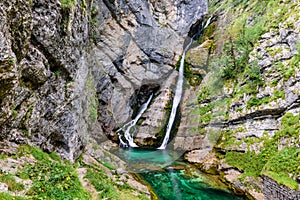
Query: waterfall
127	128
176	100
178	92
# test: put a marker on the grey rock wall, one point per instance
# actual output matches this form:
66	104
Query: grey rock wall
69	71
273	190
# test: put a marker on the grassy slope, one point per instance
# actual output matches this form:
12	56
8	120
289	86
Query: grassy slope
50	177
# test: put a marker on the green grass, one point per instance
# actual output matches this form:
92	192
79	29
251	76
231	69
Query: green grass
107	165
290	126
68	3
10	181
278	165
254	101
251	163
102	184
3	156
52	178
35	152
57	74
7	196
282	164
109	189
203	94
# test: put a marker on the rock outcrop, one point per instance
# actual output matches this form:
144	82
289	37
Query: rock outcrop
73	68
274	191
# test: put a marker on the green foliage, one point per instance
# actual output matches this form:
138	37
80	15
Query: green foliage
7	196
102	184
203	94
57	74
205	109
193	78
37	153
282	164
290	126
236	52
250	162
83	4
11	60
254	101
107	165
286	71
278	94
14	113
54	156
228	66
3	156
10	181
52	179
66	4
253	75
279	165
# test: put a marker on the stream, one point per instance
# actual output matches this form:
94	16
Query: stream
172	179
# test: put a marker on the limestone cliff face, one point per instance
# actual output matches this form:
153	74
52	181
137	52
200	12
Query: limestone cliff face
246	110
73	68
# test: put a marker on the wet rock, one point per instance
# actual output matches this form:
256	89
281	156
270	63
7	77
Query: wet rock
155	118
198	56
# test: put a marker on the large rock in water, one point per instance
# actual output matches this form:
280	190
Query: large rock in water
69	70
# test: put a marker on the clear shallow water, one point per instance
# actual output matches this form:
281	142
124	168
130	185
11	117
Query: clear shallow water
178	185
170	178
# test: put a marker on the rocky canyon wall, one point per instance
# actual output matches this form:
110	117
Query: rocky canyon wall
75	68
246	110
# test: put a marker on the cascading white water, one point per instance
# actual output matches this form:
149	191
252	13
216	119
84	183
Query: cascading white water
176	100
178	92
128	133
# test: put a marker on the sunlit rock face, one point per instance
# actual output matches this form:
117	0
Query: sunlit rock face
69	70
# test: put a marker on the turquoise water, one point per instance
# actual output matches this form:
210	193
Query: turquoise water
172	179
